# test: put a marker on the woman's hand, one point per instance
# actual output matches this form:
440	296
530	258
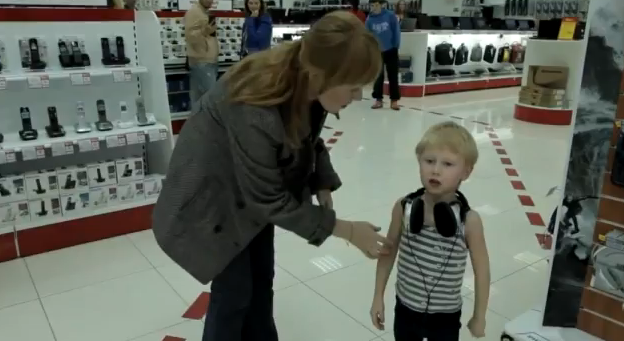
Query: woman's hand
255	13
324	199
365	237
378	312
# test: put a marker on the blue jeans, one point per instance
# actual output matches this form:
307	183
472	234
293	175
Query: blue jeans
202	77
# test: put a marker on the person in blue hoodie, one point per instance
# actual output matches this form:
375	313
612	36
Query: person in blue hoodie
258	28
385	25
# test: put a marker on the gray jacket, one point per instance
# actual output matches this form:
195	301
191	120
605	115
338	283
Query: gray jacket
231	174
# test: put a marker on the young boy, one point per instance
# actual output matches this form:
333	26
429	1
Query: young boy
385	25
433	230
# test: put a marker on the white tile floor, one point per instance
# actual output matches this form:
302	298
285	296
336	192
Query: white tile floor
125	288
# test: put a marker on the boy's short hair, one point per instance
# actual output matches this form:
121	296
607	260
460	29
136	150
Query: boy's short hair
452	136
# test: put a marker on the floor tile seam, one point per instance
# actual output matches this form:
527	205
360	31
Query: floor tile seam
370	329
170	285
488	308
95	283
141	252
12	305
158	330
39	298
303	281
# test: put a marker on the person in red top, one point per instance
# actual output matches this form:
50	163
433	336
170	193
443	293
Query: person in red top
355	9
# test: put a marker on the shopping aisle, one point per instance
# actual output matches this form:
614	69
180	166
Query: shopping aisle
124	288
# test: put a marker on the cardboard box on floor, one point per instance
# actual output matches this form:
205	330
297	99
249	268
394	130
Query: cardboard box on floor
546	86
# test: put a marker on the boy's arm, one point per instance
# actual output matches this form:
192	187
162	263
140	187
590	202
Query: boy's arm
385	263
396	30
480	263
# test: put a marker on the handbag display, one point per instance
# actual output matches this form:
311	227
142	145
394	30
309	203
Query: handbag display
476	54
490	53
504	54
461	56
517	53
444	54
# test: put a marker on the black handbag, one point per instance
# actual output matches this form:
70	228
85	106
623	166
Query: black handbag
490	53
461	56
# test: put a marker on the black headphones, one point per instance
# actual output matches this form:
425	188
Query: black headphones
443	214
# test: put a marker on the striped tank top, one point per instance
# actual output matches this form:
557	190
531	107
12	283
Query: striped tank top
431	267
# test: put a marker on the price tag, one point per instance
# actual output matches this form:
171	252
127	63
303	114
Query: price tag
62	148
81	78
7	156
115	141
87	145
135	138
2	83
33	153
157	134
38	82
122	76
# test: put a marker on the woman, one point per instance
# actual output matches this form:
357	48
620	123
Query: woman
250	158
257	29
355	9
401	10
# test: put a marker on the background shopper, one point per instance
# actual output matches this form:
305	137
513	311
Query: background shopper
249	158
355	9
384	24
257	29
202	48
400	10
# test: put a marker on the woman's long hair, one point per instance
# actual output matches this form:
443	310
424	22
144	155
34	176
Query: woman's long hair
336	51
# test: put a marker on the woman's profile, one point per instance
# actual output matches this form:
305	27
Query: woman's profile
250	158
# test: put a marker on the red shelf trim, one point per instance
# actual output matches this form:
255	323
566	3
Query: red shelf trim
65	14
543	115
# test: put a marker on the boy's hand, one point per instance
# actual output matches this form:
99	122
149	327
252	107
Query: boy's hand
324	198
477	327
377	313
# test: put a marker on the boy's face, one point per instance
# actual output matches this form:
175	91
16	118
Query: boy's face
442	170
376	7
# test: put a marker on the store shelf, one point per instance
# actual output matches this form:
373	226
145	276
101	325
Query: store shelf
86	214
176	116
73	142
120	74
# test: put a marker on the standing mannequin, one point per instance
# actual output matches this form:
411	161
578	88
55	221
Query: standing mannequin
202	48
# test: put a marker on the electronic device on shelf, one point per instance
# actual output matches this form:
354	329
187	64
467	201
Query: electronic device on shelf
82	126
54	129
80	59
43	211
39	189
27	133
142	118
127	120
102	124
64	56
69	182
4	192
99	178
108	58
1	138
70	205
35	59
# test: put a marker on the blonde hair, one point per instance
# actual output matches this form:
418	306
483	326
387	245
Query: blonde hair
452	136
337	50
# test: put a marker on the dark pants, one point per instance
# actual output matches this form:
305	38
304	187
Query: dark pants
241	298
410	325
391	63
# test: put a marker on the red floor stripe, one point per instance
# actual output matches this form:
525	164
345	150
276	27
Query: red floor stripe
331	141
173	338
526	200
497	143
198	309
535	219
505	161
518	185
493	136
501	151
338	133
511	172
544	239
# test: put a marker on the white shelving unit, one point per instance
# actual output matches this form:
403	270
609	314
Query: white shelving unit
147	148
